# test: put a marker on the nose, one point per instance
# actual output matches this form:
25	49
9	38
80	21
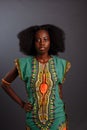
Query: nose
42	42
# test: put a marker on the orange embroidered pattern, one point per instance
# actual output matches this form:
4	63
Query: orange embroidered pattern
43	81
44	84
62	126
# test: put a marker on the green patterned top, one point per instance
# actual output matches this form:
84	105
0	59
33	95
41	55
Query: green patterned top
42	85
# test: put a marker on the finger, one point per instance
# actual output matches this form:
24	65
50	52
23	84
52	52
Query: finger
28	110
29	105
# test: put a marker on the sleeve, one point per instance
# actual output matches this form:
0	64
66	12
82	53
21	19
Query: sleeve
20	65
63	67
66	68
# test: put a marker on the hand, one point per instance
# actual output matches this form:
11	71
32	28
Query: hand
27	106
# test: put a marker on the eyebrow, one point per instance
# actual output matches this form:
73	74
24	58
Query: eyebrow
44	37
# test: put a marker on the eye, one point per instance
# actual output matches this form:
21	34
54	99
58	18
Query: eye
37	40
46	39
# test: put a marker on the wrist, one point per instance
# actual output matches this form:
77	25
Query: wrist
22	104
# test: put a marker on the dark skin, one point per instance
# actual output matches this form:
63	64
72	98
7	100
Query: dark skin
10	77
42	44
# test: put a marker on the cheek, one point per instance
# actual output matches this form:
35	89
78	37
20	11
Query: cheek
48	45
37	46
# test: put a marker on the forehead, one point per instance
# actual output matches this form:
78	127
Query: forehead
42	33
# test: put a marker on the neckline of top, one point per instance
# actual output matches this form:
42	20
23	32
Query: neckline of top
51	57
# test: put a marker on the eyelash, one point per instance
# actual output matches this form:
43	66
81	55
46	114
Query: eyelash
38	40
45	39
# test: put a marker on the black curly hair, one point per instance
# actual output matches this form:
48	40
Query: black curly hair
27	39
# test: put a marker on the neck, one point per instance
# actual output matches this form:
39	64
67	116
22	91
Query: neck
44	56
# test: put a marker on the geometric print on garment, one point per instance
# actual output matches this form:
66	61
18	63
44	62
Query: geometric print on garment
43	107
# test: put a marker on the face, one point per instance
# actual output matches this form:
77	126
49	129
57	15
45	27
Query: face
42	41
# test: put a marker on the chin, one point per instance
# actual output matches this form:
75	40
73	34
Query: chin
41	52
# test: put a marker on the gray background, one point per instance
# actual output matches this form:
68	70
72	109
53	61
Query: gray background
71	16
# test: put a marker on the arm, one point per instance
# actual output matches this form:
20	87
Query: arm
60	91
8	79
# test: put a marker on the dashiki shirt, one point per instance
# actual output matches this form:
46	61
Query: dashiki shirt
42	86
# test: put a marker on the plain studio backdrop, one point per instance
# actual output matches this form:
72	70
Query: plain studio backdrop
71	16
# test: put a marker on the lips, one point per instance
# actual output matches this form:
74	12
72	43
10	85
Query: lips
42	48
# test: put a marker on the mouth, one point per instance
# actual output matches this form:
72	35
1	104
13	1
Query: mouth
42	48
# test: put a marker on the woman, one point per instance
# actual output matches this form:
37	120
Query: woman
43	73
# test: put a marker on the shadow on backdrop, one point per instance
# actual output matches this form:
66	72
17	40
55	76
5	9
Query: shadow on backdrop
69	15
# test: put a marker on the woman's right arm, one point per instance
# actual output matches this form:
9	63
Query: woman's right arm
6	85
